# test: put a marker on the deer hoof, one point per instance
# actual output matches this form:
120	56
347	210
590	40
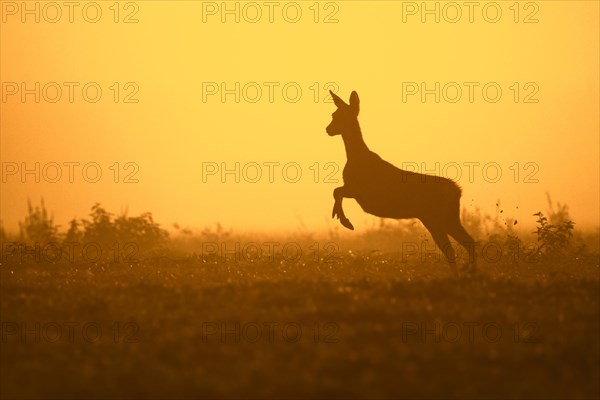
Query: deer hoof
346	222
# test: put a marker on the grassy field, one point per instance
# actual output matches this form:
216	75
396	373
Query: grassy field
356	325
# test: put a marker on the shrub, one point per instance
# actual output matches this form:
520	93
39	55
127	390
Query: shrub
121	238
38	226
139	237
554	238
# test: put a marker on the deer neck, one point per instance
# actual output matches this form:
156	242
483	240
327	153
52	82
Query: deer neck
354	143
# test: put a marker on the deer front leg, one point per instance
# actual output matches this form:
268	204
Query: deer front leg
338	211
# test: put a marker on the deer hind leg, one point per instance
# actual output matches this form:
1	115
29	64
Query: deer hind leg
440	237
459	233
338	211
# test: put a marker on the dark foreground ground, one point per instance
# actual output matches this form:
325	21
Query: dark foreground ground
364	326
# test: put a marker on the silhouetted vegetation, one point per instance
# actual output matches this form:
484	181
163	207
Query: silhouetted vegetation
129	239
38	225
554	239
110	238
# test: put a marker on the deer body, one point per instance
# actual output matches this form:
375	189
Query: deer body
389	192
383	190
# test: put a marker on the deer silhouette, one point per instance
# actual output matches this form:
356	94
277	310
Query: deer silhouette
383	190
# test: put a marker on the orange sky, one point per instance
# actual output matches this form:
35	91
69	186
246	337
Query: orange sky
162	118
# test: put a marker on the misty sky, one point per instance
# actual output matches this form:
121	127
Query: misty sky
177	109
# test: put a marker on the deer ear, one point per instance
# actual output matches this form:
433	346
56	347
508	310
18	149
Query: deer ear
337	100
354	102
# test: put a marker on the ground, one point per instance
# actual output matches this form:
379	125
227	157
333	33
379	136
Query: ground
360	326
